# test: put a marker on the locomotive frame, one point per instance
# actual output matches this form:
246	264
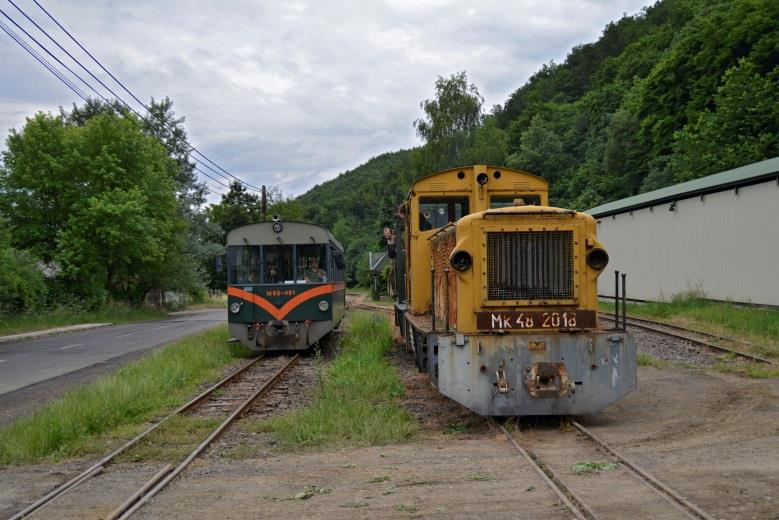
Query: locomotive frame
497	297
276	299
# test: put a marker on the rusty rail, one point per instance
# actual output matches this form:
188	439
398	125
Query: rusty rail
653	326
690	509
565	495
210	439
99	465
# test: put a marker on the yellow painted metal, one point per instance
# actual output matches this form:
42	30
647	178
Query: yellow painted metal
449	184
471	236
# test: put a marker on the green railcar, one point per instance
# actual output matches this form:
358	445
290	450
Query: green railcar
285	285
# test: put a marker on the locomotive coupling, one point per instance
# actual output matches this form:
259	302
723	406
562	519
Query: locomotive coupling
548	380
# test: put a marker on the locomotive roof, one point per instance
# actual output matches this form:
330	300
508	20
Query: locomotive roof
291	233
533	182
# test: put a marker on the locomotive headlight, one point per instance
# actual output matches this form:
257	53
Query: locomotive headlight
597	259
461	260
235	308
323	306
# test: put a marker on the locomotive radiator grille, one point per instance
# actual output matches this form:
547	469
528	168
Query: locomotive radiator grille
530	265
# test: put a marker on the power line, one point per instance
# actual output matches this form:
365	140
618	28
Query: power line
191	147
72	86
47	51
58	74
98	80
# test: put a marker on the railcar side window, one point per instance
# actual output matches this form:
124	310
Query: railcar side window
505	201
436	212
243	264
278	265
312	262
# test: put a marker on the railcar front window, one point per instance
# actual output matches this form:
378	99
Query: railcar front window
243	264
505	201
312	264
436	212
278	266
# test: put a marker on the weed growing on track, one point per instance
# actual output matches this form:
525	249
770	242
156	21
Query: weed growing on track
173	441
81	420
754	370
593	467
645	360
358	402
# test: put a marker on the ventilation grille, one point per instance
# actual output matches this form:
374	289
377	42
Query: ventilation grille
530	265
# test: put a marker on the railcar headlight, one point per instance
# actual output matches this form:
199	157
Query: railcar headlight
461	260
597	259
323	306
235	307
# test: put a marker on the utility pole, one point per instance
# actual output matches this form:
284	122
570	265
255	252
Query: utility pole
264	206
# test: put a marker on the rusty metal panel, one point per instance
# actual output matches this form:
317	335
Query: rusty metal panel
497	374
442	246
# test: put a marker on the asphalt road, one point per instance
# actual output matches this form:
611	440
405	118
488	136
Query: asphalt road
36	368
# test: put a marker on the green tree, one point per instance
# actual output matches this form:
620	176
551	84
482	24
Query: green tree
22	285
97	199
450	120
237	208
743	126
162	124
488	146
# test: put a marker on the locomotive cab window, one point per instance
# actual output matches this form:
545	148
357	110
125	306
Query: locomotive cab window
436	212
506	201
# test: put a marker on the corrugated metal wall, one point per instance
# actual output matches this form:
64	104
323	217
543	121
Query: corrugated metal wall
726	245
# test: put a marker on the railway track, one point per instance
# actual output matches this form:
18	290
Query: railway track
369	307
228	399
624	490
696	337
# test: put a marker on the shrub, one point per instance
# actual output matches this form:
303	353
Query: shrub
22	285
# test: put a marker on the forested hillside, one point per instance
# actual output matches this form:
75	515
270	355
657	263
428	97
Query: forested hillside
684	89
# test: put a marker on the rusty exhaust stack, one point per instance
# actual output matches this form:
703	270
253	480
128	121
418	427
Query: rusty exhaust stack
432	295
624	304
446	296
616	299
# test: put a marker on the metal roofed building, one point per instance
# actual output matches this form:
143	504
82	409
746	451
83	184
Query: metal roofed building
718	235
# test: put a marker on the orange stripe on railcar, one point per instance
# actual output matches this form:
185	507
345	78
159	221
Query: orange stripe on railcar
289	306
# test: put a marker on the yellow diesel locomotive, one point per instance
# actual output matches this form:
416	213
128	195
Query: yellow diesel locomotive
497	296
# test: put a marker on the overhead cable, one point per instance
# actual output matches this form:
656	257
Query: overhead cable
68	83
191	147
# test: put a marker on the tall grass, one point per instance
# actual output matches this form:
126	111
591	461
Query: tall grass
73	424
357	401
60	317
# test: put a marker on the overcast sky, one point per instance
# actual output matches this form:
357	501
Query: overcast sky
294	93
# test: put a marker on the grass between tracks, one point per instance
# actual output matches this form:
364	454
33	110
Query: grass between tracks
85	419
357	402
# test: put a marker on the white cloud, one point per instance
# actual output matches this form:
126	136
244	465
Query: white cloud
294	93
